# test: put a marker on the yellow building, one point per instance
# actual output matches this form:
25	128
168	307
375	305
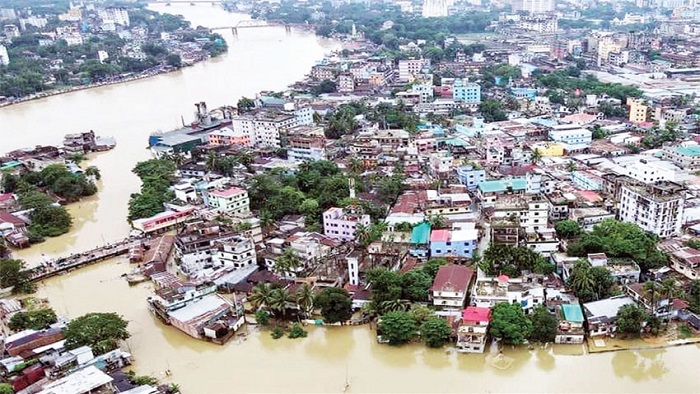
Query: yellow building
638	110
549	149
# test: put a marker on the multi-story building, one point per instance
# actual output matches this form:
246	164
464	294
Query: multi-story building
687	262
531	212
341	223
529	293
322	72
228	137
589	217
346	83
470	176
424	91
656	207
648	171
573	136
233	201
116	15
489	191
587	180
570	329
466	92
539	23
473	329
534	6
436	8
264	128
236	252
457	244
639	111
450	289
4	56
409	68
687	157
33	20
306	143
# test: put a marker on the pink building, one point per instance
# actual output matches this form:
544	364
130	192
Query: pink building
227	137
341	224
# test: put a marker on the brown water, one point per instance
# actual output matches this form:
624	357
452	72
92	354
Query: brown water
259	59
321	363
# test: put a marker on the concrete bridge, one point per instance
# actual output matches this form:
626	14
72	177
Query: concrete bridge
251	24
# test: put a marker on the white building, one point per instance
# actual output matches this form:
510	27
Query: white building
4	56
534	6
409	68
33	20
436	8
450	289
574	136
656	207
237	252
232	200
647	171
263	128
341	224
116	15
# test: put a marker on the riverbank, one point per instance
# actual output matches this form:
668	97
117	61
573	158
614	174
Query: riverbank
56	92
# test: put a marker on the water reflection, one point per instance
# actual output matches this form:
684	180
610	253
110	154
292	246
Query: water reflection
331	343
545	358
640	366
437	358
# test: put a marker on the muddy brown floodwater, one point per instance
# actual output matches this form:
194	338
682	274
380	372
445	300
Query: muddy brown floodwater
323	362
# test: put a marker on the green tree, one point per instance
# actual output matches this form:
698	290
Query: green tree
34	199
630	318
245	104
492	111
260	296
288	262
335	304
415	284
435	332
536	156
567	229
509	323
13	274
262	317
590	283
94	172
397	327
433	265
279	297
305	297
35	320
297	331
101	331
50	221
693	296
421	313
6	388
386	286
544	325
174	60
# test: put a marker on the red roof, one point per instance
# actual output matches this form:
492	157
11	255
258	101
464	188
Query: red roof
452	277
440	236
6	217
6	196
476	314
227	192
406	203
503	278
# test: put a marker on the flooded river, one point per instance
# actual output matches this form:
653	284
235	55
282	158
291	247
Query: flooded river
258	59
323	362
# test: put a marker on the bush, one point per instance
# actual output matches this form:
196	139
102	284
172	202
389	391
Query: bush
262	317
297	332
277	332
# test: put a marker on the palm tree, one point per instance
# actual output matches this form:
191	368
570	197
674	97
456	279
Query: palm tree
582	279
395	305
653	290
571	166
536	156
93	172
266	222
212	162
363	235
260	296
437	221
670	289
288	262
278	300
305	299
355	165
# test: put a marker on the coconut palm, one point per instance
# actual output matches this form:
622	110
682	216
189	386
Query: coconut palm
363	235
355	165
278	300
305	296
266	222
93	172
437	221
536	156
395	305
288	263
582	279
653	291
260	296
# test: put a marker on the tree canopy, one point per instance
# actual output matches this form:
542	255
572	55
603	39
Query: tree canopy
567	229
13	274
435	332
397	327
509	323
630	318
590	283
36	320
101	331
620	239
512	260
156	176
335	304
544	325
